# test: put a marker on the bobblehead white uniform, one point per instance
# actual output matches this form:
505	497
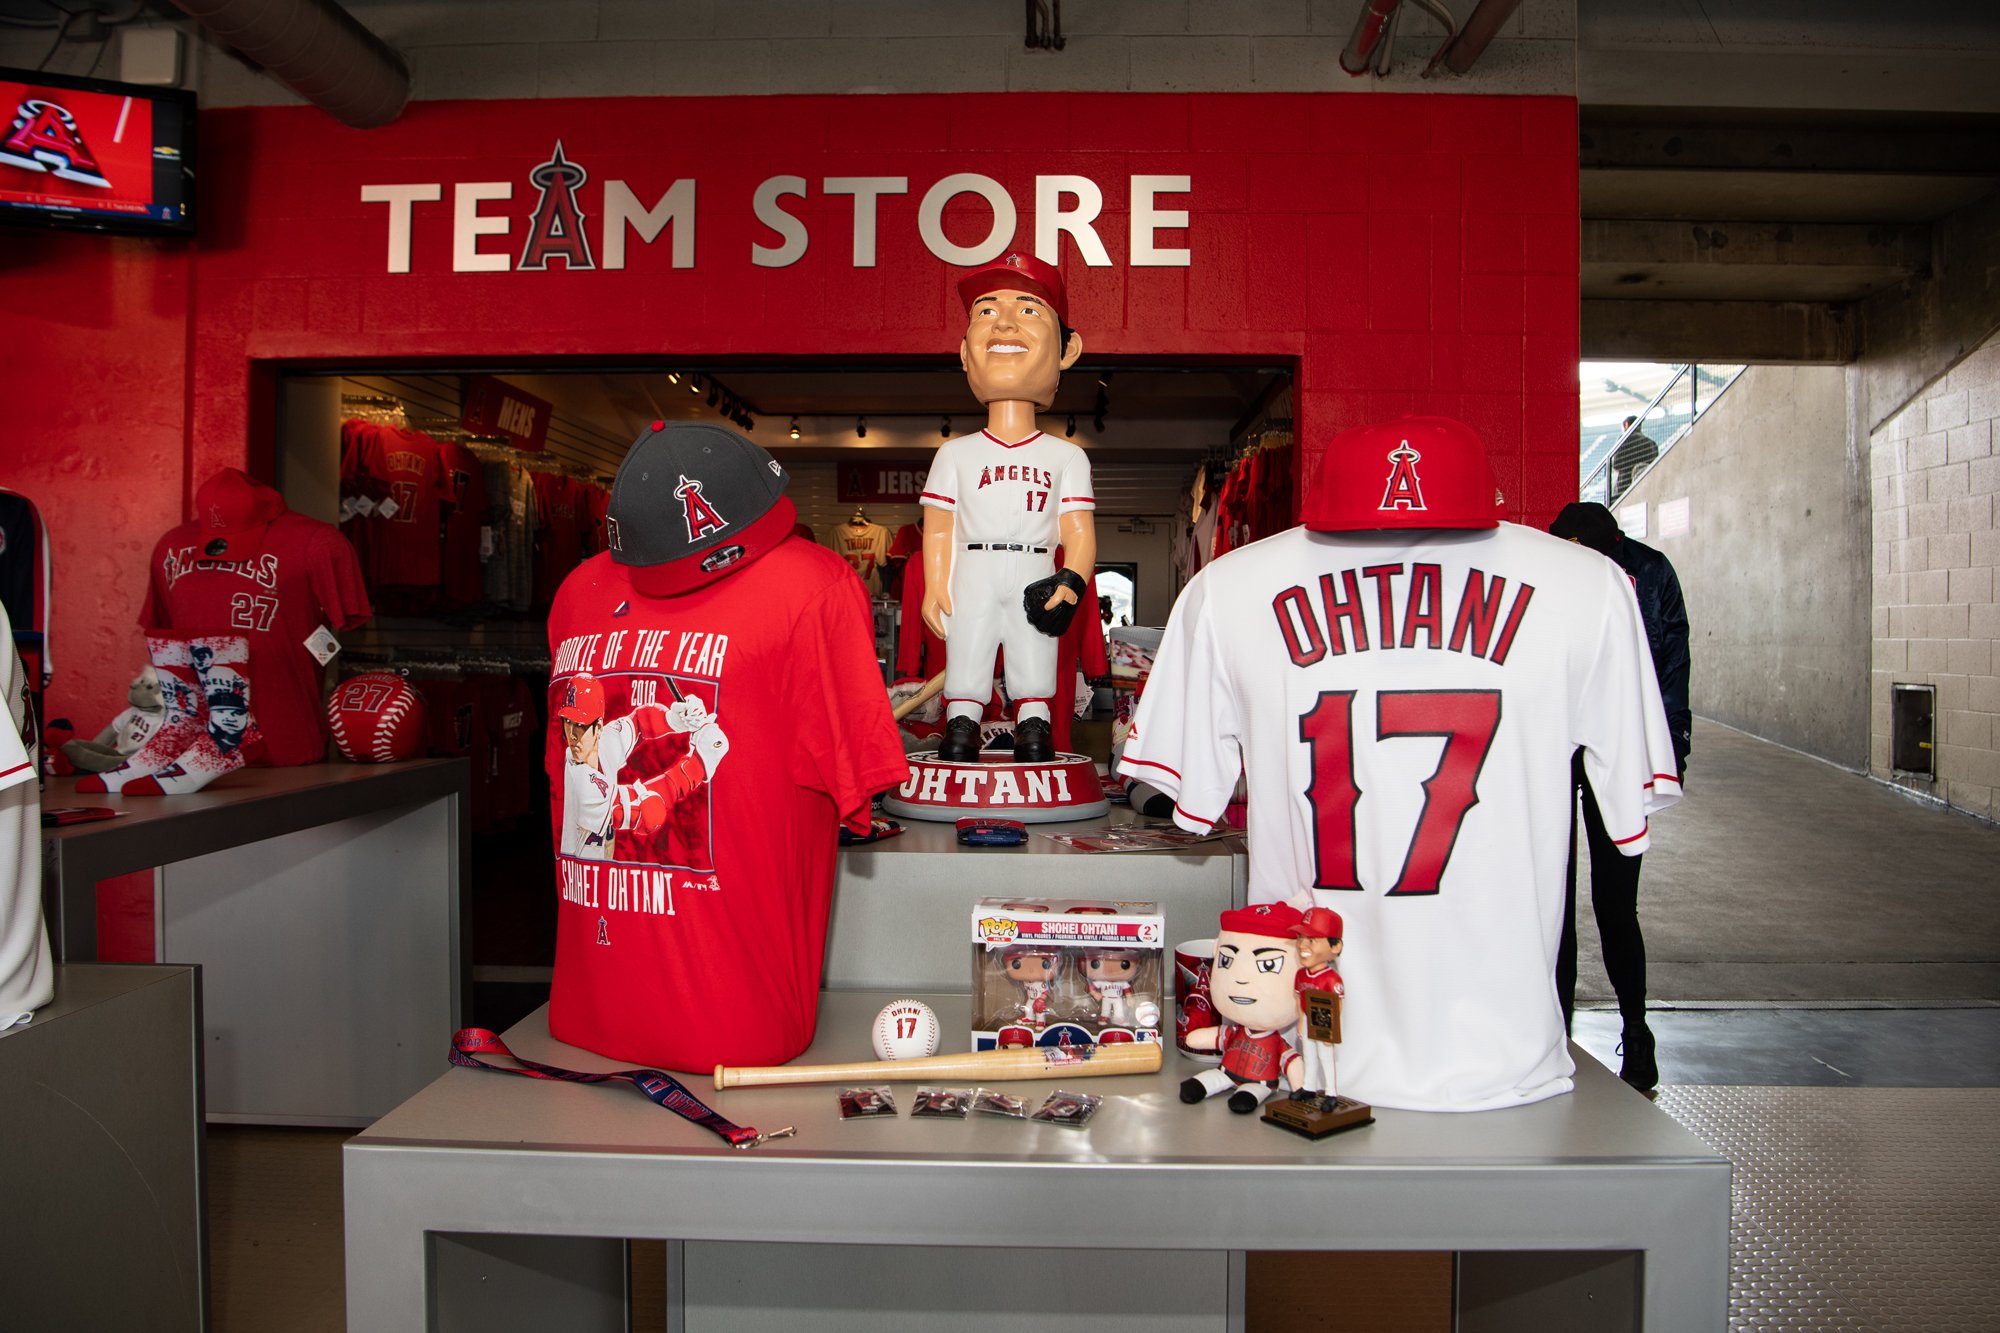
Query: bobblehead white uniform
1404	705
1002	495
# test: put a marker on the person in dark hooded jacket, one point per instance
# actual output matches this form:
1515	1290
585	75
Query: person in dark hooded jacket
1614	878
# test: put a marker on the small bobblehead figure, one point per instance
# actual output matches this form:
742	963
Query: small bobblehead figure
1320	992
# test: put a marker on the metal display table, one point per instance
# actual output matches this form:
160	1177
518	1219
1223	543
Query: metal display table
435	1189
101	1155
319	900
901	909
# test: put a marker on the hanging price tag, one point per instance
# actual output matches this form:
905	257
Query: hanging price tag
322	645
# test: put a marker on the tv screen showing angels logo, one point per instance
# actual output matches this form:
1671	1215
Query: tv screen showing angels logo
96	155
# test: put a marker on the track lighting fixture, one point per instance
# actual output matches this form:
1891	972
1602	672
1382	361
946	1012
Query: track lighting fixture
861	428
1069	428
795	428
673	377
714	395
694	385
944	428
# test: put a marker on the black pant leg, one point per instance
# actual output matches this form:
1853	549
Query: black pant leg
1614	900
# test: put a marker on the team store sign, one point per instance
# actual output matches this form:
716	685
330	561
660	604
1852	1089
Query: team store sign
559	229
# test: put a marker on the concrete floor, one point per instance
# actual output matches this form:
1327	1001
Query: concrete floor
1783	878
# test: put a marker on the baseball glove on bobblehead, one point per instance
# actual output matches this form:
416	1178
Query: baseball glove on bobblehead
1036	597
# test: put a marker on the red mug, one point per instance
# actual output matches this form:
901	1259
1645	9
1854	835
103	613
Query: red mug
1192	1008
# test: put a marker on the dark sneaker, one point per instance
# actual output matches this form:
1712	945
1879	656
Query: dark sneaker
961	741
1639	1068
1033	742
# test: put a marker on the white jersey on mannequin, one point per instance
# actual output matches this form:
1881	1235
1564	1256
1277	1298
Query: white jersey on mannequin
1404	706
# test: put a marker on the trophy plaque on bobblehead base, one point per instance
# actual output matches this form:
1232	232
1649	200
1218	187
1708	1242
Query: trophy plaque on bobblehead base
1316	1115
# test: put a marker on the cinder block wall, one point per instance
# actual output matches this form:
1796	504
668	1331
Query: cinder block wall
1937	622
1774	563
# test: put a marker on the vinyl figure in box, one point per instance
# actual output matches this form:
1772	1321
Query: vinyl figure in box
1254	988
1109	973
1034	969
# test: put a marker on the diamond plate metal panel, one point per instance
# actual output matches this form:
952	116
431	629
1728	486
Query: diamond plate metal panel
1857	1208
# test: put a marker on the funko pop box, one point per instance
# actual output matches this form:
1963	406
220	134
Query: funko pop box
1065	971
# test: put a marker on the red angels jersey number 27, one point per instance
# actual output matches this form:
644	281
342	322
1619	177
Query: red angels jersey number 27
1404	707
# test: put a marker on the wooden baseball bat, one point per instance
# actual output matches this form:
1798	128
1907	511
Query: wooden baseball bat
1010	1064
932	688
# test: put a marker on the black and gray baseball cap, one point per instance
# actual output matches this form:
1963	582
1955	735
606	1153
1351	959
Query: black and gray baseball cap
690	502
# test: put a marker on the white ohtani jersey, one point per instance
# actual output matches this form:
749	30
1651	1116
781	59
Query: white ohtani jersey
590	793
1404	707
1000	492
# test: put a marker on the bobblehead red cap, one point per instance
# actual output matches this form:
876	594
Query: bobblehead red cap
1320	923
1280	921
234	511
1018	272
1413	472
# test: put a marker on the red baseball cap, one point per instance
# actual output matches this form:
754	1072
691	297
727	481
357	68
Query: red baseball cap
233	511
1319	923
1016	272
1413	472
1277	920
582	700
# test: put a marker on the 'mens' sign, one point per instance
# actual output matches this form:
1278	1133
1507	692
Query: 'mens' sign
559	228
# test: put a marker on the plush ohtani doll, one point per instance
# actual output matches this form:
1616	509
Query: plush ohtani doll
1254	988
145	714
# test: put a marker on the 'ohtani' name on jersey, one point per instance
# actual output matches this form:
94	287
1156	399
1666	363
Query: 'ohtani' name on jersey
177	565
1014	472
1406	608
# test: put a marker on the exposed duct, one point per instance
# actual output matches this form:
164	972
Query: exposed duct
1481	26
317	49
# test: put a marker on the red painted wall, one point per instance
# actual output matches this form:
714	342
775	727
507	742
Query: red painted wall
1412	253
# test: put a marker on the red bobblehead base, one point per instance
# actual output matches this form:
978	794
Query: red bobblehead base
1065	788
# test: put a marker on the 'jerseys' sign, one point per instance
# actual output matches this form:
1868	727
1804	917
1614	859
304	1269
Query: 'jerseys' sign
582	226
879	483
494	407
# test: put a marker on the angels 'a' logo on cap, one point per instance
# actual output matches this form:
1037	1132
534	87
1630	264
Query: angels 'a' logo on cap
612	537
1404	491
215	516
699	514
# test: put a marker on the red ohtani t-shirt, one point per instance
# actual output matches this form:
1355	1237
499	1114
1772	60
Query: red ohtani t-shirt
403	549
304	576
699	941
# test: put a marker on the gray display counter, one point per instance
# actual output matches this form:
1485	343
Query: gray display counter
323	905
436	1190
902	907
101	1155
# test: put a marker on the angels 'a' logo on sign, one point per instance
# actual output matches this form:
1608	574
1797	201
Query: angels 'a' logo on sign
697	511
1404	491
555	231
44	137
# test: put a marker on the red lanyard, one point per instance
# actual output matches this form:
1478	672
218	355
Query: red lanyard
469	1043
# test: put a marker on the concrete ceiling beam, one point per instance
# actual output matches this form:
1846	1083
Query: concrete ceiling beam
1790	332
1749	261
1633	139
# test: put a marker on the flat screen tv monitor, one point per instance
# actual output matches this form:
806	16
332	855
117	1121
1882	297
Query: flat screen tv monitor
95	155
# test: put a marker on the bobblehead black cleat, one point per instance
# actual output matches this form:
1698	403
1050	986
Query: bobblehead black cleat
1192	1091
961	741
1033	741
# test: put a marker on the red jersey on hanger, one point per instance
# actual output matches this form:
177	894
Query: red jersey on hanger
403	468
465	491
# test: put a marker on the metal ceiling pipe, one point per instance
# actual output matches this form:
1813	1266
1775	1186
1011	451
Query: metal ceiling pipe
1368	33
317	49
1481	26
